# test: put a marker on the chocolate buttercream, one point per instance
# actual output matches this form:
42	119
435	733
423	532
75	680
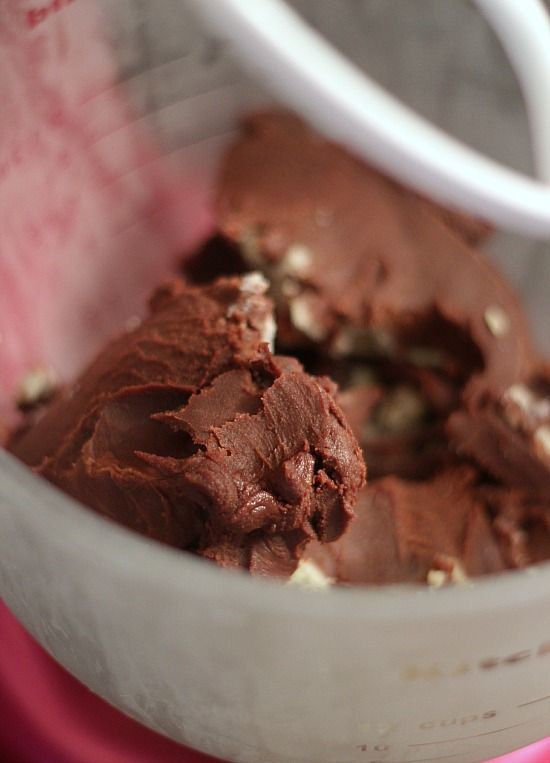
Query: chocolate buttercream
360	265
190	431
403	531
509	435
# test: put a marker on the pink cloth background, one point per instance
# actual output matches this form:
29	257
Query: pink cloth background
47	716
91	214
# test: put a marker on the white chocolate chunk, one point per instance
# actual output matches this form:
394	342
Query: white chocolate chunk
298	260
522	400
542	440
439	578
302	318
363	341
252	287
521	396
37	385
342	344
250	249
497	320
254	283
401	410
269	332
458	574
535	410
309	575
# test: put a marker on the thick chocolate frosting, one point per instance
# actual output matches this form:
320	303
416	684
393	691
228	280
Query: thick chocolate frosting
399	416
360	265
405	531
508	435
190	431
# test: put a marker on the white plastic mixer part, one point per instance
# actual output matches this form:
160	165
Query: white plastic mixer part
316	80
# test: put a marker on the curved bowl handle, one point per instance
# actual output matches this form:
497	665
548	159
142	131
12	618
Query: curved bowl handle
312	77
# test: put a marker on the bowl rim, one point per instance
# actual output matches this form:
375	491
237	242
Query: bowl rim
67	524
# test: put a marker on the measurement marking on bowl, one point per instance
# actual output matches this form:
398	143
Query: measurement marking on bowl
534	701
472	736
